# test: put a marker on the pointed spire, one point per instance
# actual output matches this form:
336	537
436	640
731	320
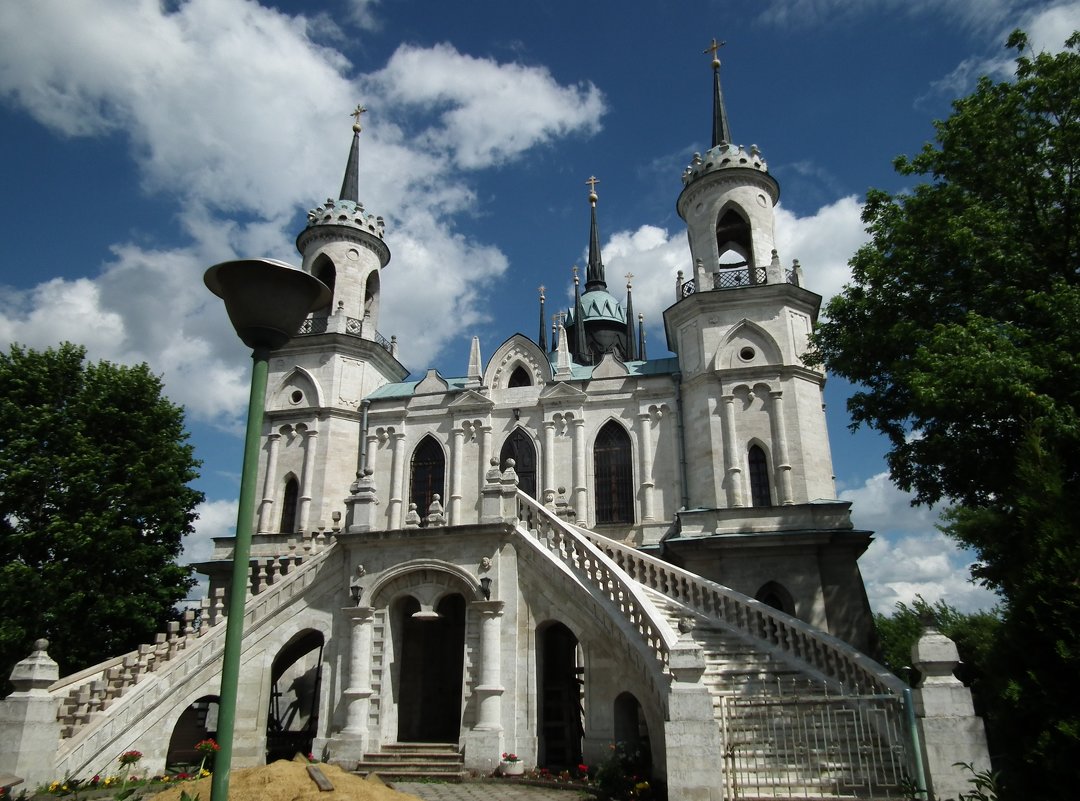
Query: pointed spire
580	350
562	357
721	132
473	377
350	184
641	337
594	276
631	336
542	341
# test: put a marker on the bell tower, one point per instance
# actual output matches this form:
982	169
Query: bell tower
315	415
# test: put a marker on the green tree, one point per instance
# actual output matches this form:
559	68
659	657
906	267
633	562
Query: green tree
94	502
962	326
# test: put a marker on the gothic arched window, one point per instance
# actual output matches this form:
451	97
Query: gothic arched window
324	270
613	467
776	595
519	447
428	475
288	506
760	494
733	239
519	378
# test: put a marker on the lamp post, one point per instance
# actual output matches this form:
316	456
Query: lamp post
266	301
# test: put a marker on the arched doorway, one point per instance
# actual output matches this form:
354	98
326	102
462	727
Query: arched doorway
632	734
519	447
612	462
431	657
195	724
295	679
428	476
562	682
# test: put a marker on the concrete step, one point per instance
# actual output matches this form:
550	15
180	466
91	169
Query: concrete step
414	762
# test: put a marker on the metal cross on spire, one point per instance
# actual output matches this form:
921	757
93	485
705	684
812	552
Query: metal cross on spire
629	279
592	182
713	48
356	116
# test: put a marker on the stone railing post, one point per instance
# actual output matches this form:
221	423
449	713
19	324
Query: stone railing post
509	482
691	729
29	730
491	502
361	503
950	731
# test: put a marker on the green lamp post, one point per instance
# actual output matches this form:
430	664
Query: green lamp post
267	300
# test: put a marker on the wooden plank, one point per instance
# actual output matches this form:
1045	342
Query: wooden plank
319	778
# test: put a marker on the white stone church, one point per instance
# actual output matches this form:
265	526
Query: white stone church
570	545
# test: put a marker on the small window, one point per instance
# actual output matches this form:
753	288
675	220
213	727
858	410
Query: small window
519	378
614	475
288	506
760	494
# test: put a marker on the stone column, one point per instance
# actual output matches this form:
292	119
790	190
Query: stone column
269	482
691	729
549	458
457	444
29	730
352	742
645	451
484	741
950	731
485	447
369	453
308	477
397	480
732	467
581	491
779	435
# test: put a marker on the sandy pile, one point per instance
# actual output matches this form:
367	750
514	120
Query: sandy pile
289	781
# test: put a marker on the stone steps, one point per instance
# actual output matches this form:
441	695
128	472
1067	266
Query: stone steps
414	762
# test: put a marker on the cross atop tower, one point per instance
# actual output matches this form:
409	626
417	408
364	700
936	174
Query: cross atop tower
592	182
713	48
356	116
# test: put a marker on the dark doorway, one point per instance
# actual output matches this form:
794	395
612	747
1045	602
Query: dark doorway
519	447
428	476
614	475
632	733
295	678
196	723
561	691
429	682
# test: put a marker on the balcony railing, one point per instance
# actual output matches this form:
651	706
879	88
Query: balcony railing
353	327
737	278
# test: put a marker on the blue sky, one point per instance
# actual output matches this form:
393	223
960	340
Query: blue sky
145	141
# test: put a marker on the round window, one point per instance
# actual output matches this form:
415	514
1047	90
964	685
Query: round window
747	354
296	396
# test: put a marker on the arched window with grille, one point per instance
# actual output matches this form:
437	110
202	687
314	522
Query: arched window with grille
427	476
760	492
613	468
519	447
288	505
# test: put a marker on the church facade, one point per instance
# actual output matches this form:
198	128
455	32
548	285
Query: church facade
569	546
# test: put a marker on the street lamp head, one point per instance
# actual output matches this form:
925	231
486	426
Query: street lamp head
266	299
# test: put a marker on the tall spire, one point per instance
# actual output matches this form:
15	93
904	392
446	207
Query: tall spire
350	184
641	337
580	350
594	276
631	338
721	132
542	341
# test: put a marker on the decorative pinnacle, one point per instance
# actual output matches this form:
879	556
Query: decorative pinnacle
356	117
575	270
592	182
713	48
629	280
541	291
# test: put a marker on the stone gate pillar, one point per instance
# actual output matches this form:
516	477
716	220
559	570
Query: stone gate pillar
484	743
351	743
29	730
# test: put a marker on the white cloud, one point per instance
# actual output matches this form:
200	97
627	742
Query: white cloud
977	14
240	115
822	242
216	519
909	556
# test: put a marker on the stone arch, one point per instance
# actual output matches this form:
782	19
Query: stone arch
560	693
408	576
296	390
517	351
324	269
747	344
613	474
196	723
758	474
295	690
631	731
289	521
371	297
734	235
776	595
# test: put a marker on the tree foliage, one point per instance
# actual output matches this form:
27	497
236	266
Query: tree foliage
94	502
962	326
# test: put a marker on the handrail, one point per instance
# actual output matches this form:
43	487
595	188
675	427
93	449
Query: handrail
605	575
830	656
134	703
